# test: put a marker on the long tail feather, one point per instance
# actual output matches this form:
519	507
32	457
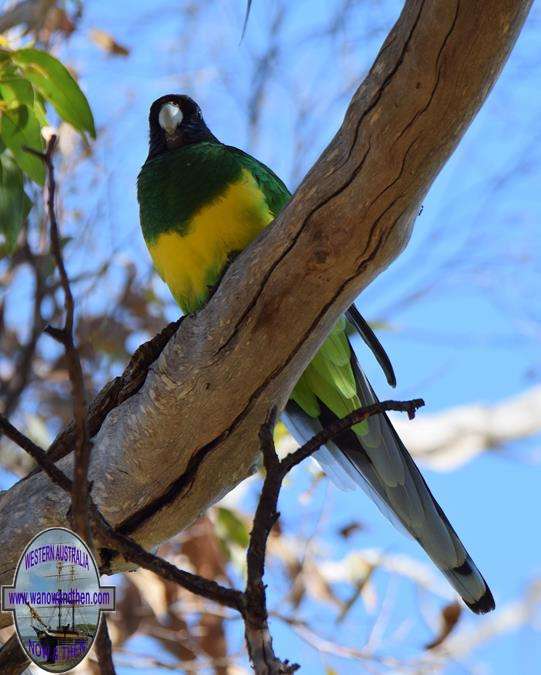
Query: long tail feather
371	341
379	462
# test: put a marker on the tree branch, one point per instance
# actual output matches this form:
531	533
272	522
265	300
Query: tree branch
104	649
255	614
12	390
82	446
252	603
204	399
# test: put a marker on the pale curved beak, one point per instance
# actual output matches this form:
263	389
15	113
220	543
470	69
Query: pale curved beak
170	117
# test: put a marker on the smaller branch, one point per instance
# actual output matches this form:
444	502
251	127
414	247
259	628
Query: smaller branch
80	491
357	416
104	649
38	454
131	551
257	633
121	543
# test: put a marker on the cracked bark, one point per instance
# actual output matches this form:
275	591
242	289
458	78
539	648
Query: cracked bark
158	459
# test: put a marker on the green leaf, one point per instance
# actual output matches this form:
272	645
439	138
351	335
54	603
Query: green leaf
55	83
5	55
39	109
12	201
17	90
27	205
231	528
19	128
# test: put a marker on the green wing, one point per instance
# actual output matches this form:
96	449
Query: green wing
276	193
329	377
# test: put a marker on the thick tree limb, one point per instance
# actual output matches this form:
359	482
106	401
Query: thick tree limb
189	434
252	603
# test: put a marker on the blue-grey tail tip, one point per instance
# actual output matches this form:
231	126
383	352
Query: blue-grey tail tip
484	604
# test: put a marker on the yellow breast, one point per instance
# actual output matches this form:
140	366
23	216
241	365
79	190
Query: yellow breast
193	262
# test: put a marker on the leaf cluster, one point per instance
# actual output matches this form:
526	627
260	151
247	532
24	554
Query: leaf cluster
30	81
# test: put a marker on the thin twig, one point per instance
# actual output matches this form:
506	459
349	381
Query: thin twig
356	417
104	649
80	490
135	553
257	633
12	390
38	454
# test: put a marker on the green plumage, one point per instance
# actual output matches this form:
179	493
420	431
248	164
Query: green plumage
176	186
173	186
202	202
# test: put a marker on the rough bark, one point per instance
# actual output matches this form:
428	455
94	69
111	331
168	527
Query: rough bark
190	434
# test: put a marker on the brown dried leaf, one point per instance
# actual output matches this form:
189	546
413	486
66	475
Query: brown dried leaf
108	43
102	334
347	530
165	623
202	547
57	21
298	586
450	615
213	641
126	619
153	589
318	587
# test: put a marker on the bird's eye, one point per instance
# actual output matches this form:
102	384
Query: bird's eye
170	117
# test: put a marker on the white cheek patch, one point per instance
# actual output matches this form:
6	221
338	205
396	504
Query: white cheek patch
170	117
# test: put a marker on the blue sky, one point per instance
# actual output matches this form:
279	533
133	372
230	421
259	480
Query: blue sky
473	336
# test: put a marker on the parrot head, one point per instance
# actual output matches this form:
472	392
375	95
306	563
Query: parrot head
176	120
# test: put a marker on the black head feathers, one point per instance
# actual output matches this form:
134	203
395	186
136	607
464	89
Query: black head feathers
176	120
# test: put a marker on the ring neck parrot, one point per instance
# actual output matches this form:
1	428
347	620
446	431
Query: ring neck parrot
201	203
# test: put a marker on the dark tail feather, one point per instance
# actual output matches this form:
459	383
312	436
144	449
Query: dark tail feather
380	463
373	343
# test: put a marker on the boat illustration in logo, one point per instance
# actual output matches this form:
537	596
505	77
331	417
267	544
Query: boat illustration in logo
57	600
